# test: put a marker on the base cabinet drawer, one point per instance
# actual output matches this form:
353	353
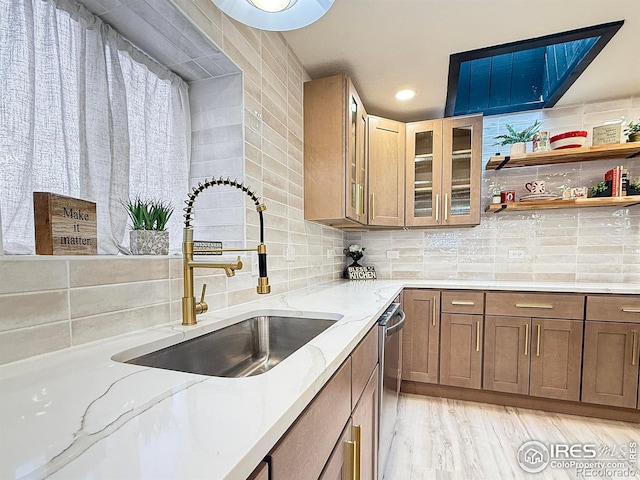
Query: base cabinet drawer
540	305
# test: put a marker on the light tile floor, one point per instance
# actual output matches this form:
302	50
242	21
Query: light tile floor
439	438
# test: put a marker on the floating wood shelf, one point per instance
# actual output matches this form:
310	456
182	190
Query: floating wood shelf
568	155
573	203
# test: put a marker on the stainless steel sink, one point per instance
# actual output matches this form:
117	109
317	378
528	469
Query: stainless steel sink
244	349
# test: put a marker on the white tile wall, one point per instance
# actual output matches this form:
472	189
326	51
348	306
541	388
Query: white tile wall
48	304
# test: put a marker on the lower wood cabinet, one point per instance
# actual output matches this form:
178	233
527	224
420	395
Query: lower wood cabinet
461	345
336	437
303	452
421	335
556	350
611	350
610	370
538	357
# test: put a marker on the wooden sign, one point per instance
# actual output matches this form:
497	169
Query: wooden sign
606	134
361	273
64	225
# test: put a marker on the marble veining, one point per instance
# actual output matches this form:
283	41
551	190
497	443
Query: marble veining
80	412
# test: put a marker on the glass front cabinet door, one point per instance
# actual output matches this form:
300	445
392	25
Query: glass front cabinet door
356	157
444	168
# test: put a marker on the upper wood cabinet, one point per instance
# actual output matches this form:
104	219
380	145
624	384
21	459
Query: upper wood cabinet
335	153
386	172
443	172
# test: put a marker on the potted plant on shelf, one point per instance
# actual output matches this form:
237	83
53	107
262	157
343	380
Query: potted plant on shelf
634	187
518	139
600	189
149	218
633	132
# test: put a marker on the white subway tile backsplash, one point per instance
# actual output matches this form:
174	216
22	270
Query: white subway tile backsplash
27	342
30	309
18	276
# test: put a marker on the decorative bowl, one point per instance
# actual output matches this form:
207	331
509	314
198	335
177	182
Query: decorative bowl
573	139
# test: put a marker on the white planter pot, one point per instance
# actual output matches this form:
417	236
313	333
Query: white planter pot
149	242
518	148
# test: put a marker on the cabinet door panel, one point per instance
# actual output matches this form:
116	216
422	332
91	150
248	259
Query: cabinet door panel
506	362
423	173
556	351
461	350
356	157
610	364
365	415
420	341
386	172
462	168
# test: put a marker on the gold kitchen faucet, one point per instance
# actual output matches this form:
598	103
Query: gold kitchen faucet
191	308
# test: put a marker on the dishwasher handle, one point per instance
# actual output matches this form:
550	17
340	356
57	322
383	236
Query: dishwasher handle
397	327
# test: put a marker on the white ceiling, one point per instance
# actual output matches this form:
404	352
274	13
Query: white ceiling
388	45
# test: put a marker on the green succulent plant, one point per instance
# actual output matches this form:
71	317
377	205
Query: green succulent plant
632	128
148	214
514	136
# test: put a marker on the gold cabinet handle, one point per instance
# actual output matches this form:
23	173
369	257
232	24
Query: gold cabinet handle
437	206
538	328
634	349
526	339
350	470
361	197
532	305
433	312
446	207
478	336
462	302
357	438
372	205
631	310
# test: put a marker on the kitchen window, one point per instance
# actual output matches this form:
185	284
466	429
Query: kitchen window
83	113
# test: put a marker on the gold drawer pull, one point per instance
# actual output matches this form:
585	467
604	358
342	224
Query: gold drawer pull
631	310
357	438
372	206
434	312
532	305
634	349
526	339
351	461
446	207
462	302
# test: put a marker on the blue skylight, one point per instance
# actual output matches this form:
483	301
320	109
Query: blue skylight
525	75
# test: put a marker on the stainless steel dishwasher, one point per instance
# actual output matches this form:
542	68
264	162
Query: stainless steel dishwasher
390	374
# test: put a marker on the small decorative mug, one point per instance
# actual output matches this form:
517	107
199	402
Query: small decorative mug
508	196
536	186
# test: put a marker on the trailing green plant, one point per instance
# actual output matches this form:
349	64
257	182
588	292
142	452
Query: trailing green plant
632	128
514	136
148	214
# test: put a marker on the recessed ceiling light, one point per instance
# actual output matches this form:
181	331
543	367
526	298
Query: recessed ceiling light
405	94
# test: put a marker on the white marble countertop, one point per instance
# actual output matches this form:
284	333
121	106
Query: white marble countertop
77	413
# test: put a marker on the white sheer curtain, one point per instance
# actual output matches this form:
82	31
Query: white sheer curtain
84	114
